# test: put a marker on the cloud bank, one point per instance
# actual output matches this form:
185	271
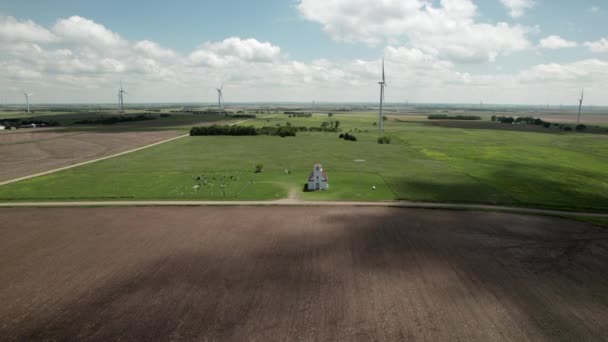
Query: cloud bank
79	60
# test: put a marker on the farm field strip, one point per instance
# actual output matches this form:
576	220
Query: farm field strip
89	161
299	273
46	154
558	171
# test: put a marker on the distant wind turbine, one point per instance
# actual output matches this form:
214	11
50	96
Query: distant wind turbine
220	98
382	85
580	106
121	102
27	100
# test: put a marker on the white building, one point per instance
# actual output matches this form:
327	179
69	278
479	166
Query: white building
318	180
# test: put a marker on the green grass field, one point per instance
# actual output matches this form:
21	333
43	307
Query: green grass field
423	163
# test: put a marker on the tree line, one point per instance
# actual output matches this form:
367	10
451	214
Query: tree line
114	120
453	117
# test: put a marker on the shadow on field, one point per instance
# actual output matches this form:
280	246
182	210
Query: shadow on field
549	275
517	184
350	274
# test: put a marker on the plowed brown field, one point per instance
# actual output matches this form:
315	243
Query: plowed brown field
299	273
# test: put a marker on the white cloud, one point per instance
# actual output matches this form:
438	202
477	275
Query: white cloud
152	49
82	66
517	7
594	9
13	30
84	31
448	30
556	42
598	46
244	49
587	71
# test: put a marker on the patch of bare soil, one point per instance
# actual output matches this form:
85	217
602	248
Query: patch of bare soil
299	273
29	152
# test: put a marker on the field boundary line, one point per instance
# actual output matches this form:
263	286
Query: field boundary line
296	203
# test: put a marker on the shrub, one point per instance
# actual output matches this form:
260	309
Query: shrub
341	136
330	114
349	137
259	168
567	128
384	140
547	124
286	131
165	115
581	127
505	119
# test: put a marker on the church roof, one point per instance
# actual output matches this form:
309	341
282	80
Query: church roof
324	176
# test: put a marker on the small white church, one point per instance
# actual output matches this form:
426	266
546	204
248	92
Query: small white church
318	180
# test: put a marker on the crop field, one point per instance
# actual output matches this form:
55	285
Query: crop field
29	151
299	273
549	169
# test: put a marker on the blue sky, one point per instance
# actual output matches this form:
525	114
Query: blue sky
329	50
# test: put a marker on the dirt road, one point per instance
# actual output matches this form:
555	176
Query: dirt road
299	273
291	202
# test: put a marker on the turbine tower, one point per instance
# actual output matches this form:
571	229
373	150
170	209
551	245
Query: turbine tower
580	106
382	85
121	102
220	98
27	100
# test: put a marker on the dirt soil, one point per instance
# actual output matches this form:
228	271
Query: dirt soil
299	273
27	152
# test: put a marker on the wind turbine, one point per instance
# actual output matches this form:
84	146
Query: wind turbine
220	98
580	106
121	102
27	100
382	85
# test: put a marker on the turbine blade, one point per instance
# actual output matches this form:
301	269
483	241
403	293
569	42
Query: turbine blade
383	79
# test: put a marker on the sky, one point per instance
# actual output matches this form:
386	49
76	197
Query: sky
540	52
